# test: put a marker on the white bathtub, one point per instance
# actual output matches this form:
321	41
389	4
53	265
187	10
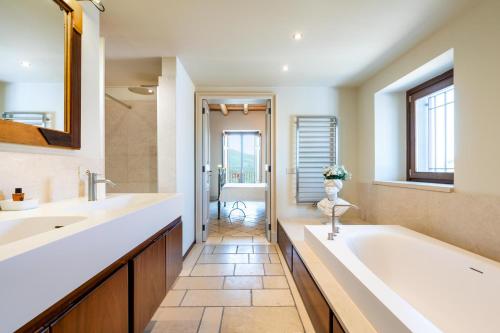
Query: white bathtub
404	281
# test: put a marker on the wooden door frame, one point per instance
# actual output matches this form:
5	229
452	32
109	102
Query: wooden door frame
199	97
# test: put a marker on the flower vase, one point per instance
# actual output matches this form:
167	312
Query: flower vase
332	188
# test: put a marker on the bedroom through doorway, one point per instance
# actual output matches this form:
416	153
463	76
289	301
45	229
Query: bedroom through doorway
236	166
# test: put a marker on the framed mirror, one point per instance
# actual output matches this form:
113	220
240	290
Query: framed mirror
40	72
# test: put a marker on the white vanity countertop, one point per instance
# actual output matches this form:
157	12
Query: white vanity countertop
37	271
346	311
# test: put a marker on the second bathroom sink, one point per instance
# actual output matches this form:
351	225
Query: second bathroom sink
16	229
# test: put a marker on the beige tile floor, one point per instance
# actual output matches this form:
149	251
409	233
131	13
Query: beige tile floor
252	225
232	288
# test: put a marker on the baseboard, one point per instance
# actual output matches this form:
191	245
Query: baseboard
189	250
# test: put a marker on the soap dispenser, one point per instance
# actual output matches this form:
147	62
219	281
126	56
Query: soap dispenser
18	194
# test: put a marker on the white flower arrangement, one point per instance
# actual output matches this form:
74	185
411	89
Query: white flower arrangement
336	172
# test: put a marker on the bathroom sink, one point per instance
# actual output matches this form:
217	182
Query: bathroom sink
109	204
14	230
15	226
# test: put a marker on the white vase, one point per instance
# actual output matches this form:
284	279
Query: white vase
332	188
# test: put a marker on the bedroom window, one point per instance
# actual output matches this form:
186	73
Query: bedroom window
242	156
431	130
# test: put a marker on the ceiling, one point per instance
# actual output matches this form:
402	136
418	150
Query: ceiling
32	31
246	43
132	71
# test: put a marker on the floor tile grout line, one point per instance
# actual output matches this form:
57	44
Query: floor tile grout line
201	320
221	319
280	255
183	296
229	306
196	261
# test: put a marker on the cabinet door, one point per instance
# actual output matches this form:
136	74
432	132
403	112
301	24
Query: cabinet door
285	246
174	254
149	283
316	306
103	310
337	328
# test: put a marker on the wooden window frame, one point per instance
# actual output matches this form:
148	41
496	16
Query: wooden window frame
435	84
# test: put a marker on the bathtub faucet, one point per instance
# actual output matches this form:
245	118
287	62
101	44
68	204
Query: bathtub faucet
336	220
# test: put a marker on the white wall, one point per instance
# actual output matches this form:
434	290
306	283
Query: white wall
57	170
469	217
185	152
293	101
390	138
166	125
176	140
254	120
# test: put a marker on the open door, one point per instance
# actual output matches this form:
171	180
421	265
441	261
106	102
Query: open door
206	172
267	170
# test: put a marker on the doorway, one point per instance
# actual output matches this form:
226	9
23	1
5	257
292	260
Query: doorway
234	177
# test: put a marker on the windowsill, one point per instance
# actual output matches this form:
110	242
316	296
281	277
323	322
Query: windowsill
446	188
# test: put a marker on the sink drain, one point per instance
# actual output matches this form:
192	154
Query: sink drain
58	226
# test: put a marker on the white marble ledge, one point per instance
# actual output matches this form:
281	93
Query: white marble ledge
345	310
435	187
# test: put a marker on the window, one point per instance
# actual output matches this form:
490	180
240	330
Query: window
431	132
242	156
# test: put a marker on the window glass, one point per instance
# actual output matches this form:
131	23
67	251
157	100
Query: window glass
242	157
434	132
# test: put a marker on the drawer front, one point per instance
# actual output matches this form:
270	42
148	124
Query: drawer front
105	309
314	302
285	245
149	283
174	254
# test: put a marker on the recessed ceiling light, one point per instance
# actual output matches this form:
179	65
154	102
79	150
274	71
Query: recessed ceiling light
150	91
297	36
26	64
285	68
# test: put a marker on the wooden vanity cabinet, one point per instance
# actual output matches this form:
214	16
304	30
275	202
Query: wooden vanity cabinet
285	246
149	283
124	296
173	254
105	309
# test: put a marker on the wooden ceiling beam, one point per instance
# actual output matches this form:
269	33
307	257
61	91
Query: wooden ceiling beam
238	107
223	109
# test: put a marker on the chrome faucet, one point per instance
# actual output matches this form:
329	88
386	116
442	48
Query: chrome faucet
336	220
92	184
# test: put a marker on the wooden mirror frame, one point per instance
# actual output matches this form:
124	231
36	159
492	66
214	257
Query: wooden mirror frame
14	132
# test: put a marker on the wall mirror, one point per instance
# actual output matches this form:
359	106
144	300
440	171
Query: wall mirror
40	72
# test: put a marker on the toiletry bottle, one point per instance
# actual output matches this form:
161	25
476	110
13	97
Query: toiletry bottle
18	194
